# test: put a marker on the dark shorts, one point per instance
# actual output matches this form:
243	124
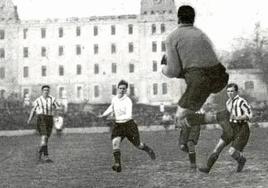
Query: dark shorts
189	134
166	124
236	133
44	124
128	130
201	82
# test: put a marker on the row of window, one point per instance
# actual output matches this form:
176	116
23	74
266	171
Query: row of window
79	31
78	69
162	12
96	90
154	29
156	89
95	31
78	49
79	89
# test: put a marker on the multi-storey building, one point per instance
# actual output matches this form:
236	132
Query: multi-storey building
9	29
84	58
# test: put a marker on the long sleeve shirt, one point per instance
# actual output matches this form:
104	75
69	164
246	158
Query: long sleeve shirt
238	107
122	109
187	47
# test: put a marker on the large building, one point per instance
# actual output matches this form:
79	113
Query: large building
84	58
9	29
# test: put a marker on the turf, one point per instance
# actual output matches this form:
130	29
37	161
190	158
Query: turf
84	160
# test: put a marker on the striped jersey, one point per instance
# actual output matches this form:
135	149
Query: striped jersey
45	106
238	106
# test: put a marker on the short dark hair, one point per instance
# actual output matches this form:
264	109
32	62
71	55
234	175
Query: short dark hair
45	86
235	86
123	82
186	14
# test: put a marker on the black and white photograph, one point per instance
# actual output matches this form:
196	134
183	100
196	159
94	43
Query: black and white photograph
133	93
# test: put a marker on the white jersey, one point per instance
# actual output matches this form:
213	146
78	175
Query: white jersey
122	109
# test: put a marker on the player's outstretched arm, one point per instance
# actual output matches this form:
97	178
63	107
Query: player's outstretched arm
172	64
32	113
107	112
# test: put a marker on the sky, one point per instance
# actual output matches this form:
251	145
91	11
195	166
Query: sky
223	20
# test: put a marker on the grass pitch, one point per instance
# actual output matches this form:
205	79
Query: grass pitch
84	160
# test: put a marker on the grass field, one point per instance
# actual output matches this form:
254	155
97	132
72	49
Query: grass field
84	160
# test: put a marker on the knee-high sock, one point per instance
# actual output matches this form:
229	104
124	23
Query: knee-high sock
192	158
45	150
237	155
42	149
191	150
145	148
195	119
117	156
212	159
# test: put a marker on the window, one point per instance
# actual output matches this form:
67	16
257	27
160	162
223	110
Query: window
60	52
78	69
130	29
163	46
131	89
154	66
2	34
43	33
25	52
2	53
25	91
114	89
249	85
155	89
131	68
114	67
78	31
60	32
163	28
164	88
113	48
96	48
25	31
61	92
96	69
78	50
79	92
95	30
113	30
25	72
61	70
154	46
43	51
2	93
96	91
153	29
44	71
2	73
130	47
